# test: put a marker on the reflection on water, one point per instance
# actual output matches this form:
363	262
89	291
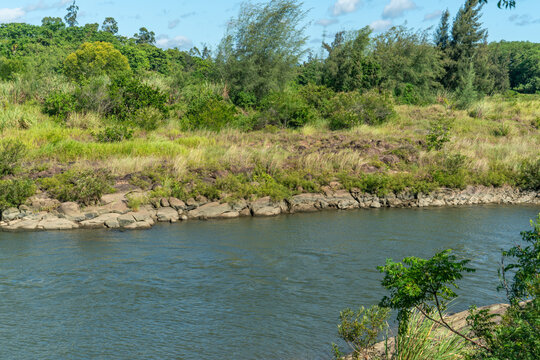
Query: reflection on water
239	289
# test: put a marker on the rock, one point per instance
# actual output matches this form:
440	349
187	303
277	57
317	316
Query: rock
167	214
71	211
116	207
99	222
184	217
342	199
115	197
144	216
266	207
126	219
245	212
213	210
25	209
307	203
164	202
11	214
139	225
57	224
201	200
177	204
112	224
41	202
191	204
21	225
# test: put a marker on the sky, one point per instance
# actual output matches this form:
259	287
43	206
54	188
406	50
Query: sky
183	23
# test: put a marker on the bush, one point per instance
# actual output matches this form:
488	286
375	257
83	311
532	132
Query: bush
285	109
352	109
9	68
529	177
82	186
11	154
95	59
210	112
14	193
59	104
93	95
437	136
501	130
114	134
129	96
451	172
318	97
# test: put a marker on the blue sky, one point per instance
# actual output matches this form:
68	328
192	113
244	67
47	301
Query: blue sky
184	23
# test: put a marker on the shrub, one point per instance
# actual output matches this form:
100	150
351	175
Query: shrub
93	95
318	97
15	192
95	59
59	104
352	109
129	96
11	154
210	112
83	186
286	109
9	68
501	130
360	330
529	177
437	136
114	134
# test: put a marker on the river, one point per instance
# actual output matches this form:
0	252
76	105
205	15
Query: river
255	288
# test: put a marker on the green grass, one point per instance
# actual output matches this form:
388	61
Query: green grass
492	142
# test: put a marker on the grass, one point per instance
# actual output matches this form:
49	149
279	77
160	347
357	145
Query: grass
494	139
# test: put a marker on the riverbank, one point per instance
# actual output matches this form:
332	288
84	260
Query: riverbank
43	213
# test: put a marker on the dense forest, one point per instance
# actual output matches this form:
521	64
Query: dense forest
261	107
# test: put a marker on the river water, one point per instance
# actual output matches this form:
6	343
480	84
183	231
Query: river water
266	288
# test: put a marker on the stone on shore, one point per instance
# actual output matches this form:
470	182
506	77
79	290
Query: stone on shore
213	210
167	214
11	214
266	207
100	221
342	199
57	224
307	203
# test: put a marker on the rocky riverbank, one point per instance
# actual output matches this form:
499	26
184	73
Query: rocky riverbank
43	213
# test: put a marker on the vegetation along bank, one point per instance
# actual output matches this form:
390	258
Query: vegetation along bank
102	130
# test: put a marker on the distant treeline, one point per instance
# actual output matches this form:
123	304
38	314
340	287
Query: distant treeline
262	62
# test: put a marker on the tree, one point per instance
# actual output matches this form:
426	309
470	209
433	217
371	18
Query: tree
410	65
94	59
262	47
145	37
442	38
467	36
503	3
53	23
110	25
348	66
71	16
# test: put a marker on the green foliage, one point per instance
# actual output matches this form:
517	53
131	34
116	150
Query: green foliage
110	25
15	192
59	104
410	65
83	186
11	154
502	130
261	48
422	284
10	67
361	328
129	96
114	134
348	67
145	37
210	111
529	178
71	16
438	135
451	171
286	109
95	59
352	109
527	268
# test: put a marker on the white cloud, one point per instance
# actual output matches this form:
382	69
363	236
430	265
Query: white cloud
397	8
345	6
41	5
381	25
9	15
326	22
433	15
181	42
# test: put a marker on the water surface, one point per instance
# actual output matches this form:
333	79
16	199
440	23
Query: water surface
238	289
